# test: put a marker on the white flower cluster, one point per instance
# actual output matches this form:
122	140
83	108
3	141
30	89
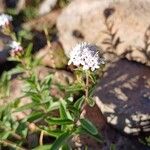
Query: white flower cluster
86	55
5	20
16	48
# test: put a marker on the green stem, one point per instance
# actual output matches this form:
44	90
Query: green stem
83	111
86	86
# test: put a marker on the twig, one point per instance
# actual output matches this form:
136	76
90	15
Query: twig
47	37
11	144
41	138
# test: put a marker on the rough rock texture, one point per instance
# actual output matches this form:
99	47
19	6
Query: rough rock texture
123	95
120	27
47	20
52	56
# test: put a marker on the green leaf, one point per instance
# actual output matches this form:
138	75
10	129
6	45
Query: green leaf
4	135
91	90
47	80
91	101
64	112
43	147
81	130
28	50
54	106
79	102
34	96
87	125
66	147
74	88
61	140
74	111
54	133
59	121
34	116
92	77
112	147
25	107
22	129
16	102
16	70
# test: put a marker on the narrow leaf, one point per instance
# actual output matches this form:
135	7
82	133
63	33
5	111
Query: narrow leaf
43	147
74	88
60	141
28	50
34	116
81	130
87	125
25	107
78	103
59	121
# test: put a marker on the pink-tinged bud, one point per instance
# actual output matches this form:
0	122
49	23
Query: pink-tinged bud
16	49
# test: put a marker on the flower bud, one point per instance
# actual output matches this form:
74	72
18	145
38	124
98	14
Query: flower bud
16	49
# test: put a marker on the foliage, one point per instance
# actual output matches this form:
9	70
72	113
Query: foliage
48	116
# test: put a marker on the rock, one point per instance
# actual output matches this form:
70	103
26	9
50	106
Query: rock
47	21
63	77
17	4
53	56
4	49
110	136
119	27
46	6
123	95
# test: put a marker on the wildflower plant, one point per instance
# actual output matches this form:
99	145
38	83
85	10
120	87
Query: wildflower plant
50	116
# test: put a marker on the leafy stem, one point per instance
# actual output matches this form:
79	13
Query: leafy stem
83	111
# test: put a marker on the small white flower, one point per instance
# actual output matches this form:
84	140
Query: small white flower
5	20
86	55
16	48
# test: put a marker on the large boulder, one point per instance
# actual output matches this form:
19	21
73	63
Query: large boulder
120	27
123	95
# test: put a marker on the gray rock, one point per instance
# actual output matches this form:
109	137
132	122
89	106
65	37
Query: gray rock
93	20
123	95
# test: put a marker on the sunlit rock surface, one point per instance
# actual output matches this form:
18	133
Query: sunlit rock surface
97	21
